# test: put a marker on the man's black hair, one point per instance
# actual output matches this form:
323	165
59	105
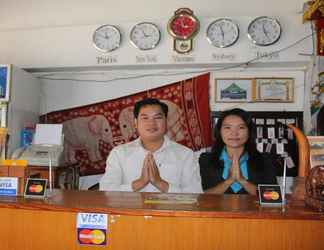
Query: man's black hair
150	101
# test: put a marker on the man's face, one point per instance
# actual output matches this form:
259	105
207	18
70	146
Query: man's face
151	123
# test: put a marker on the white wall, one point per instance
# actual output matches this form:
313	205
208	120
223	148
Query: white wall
62	94
33	14
51	37
62	47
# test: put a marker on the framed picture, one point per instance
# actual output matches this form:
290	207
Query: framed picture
233	90
316	144
274	89
5	73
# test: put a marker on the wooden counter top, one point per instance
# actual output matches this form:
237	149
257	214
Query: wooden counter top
132	203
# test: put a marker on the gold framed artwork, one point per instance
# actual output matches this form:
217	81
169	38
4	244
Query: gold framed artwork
274	89
233	90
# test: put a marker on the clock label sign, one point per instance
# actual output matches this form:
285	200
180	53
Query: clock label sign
267	55
106	59
183	59
223	57
146	59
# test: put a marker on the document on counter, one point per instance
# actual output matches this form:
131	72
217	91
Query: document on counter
170	199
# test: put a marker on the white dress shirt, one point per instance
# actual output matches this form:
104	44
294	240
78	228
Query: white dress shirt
177	165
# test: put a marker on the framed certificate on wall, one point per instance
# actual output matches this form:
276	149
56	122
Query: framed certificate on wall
274	90
5	77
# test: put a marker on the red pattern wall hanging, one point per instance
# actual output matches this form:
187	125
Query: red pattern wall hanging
91	131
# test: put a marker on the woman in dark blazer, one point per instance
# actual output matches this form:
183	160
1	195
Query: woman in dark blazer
234	164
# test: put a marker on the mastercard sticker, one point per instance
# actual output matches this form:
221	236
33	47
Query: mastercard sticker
92	229
88	236
35	188
270	195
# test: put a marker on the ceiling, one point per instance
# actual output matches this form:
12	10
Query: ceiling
31	14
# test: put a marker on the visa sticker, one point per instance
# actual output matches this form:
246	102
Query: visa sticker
92	228
8	186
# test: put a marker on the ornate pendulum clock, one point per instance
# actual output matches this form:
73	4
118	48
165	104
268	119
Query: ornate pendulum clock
183	26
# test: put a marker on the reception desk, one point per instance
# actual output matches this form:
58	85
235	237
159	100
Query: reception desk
212	223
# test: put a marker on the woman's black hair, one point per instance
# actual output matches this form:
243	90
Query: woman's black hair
150	101
250	145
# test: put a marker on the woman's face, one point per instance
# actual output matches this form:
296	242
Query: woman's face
234	132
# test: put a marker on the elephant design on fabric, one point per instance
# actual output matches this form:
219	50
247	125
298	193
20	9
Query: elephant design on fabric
85	133
126	123
174	122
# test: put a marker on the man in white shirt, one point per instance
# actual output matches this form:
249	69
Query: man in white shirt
152	162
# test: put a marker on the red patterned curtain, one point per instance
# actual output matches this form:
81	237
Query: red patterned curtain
90	132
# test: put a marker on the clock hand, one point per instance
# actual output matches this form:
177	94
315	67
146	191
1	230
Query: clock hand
222	32
101	35
145	35
265	31
184	24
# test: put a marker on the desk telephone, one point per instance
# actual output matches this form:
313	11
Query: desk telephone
39	156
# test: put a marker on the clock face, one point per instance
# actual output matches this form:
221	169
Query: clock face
264	31
222	33
183	26
106	38
145	36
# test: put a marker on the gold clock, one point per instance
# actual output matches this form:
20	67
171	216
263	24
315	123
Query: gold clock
183	27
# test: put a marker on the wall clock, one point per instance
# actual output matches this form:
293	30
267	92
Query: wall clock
222	33
145	36
106	38
264	31
183	27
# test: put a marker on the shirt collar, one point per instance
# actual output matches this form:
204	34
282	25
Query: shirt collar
224	156
165	144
